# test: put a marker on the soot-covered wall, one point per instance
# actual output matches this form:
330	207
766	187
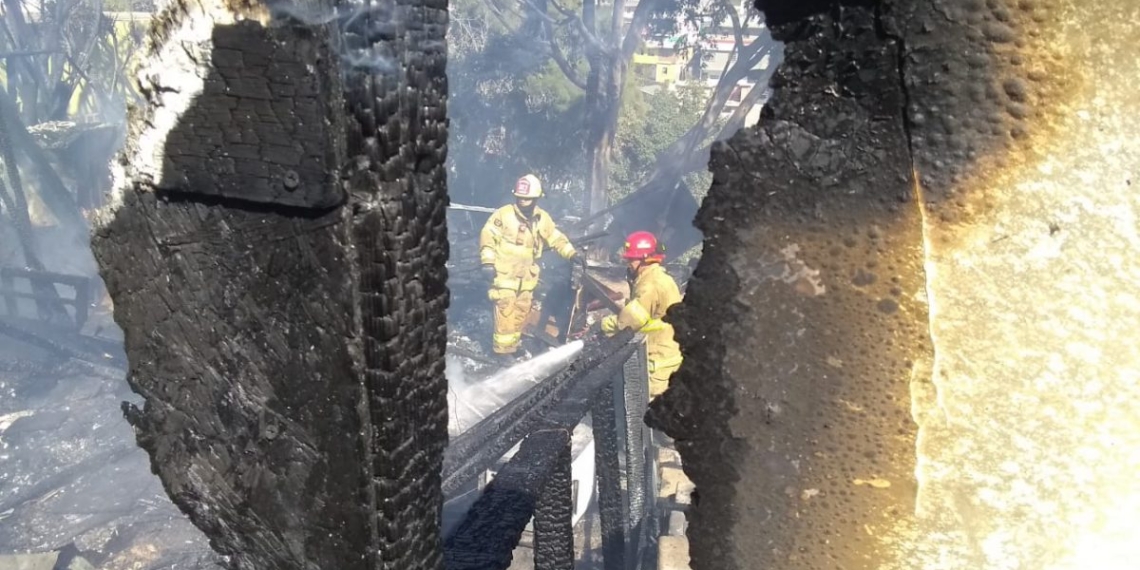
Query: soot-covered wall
806	325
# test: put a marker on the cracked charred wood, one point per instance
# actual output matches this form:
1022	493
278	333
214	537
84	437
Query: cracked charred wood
554	518
275	247
489	534
611	506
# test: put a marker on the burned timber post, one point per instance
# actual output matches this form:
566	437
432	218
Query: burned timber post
275	248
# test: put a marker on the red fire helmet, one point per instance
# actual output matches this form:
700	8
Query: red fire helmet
643	245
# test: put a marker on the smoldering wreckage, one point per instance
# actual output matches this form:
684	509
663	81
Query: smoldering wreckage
78	363
65	365
907	155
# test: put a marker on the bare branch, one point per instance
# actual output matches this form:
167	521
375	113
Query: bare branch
637	25
683	157
12	54
737	31
555	51
615	20
736	121
559	7
588	32
696	134
560	59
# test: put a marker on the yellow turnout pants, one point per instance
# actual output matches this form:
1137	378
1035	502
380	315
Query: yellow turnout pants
511	310
660	369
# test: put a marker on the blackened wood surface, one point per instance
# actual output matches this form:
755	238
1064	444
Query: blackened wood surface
288	341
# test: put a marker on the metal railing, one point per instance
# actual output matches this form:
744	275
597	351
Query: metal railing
610	382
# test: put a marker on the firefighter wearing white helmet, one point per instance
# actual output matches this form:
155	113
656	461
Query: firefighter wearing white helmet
510	246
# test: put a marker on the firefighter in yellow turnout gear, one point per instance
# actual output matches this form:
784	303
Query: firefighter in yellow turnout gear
510	246
652	292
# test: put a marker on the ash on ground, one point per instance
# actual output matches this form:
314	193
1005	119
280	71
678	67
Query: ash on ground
71	475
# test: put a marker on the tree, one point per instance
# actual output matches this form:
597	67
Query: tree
607	50
62	61
544	86
512	108
648	125
690	152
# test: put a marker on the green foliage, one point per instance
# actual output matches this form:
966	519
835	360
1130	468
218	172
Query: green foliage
514	111
549	87
648	125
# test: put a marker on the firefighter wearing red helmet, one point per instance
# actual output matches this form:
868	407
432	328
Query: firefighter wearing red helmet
510	246
653	291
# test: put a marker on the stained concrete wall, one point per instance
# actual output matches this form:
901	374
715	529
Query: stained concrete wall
944	166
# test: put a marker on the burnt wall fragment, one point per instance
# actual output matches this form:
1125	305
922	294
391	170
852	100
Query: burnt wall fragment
287	332
805	318
267	125
904	136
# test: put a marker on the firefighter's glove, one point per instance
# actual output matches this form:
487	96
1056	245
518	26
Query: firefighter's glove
489	273
610	325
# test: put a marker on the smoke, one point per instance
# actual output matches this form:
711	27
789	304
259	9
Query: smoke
470	401
369	62
305	13
365	29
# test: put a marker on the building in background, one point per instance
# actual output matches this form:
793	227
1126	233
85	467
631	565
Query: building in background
699	54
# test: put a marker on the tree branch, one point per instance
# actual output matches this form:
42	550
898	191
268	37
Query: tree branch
588	32
637	25
684	146
29	53
681	157
19	33
563	64
556	52
615	21
737	28
54	192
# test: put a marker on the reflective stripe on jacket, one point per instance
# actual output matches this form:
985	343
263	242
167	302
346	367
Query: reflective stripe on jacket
653	292
513	244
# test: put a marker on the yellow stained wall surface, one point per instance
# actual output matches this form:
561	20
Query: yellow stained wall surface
1029	445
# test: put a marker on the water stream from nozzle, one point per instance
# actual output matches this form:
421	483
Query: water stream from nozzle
469	401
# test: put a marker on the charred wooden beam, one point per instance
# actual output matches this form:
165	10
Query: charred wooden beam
275	248
495	523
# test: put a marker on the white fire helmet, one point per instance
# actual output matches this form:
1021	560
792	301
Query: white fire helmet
528	187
